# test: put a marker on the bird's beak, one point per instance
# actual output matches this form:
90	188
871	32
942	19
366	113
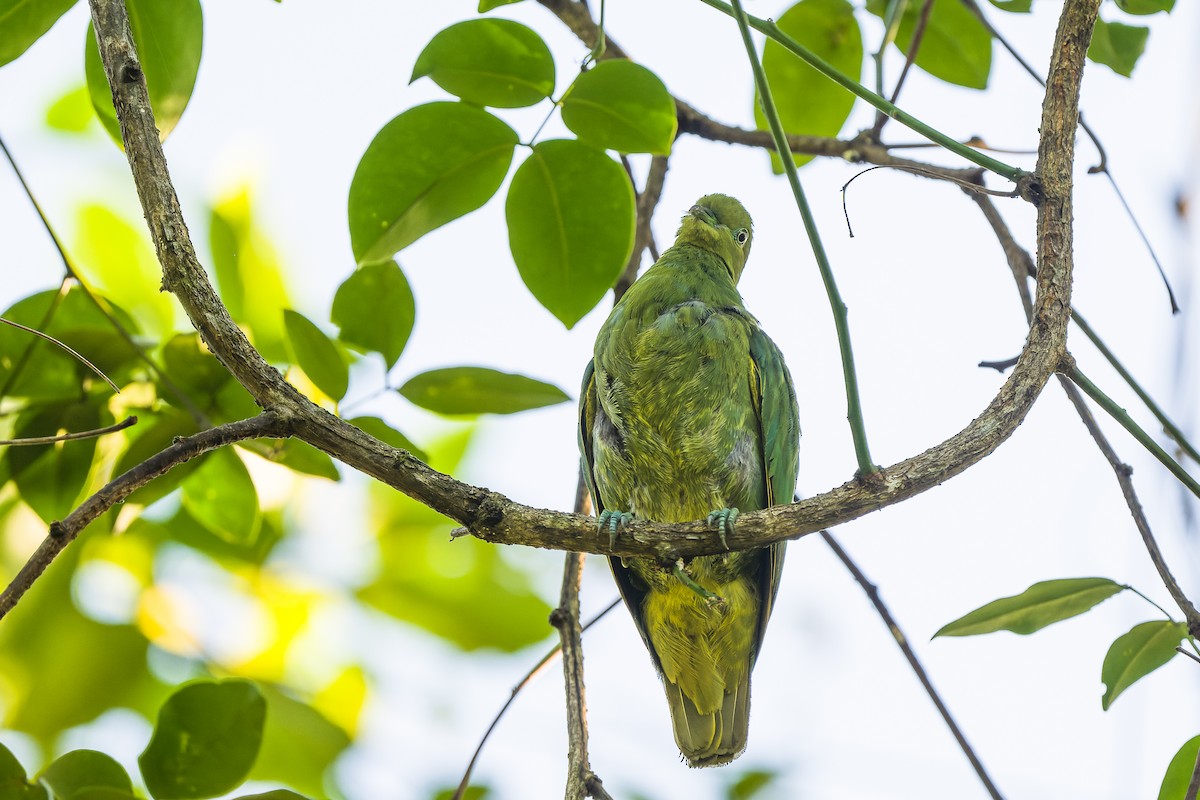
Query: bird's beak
703	214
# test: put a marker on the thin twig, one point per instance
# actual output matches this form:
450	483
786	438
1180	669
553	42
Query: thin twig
893	627
66	347
647	201
909	57
891	25
1188	653
68	437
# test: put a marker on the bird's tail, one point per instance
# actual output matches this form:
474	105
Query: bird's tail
715	738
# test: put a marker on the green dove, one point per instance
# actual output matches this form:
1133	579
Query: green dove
687	411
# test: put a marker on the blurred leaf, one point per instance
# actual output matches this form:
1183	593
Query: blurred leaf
72	112
571	218
299	745
1138	653
472	792
205	741
341	702
428	166
488	5
193	368
77	770
374	310
25	22
317	355
302	457
169	36
1144	7
1014	6
1179	771
387	434
489	62
274	794
956	47
249	274
751	784
620	105
50	477
1118	46
220	495
182	528
1042	604
152	435
478	390
118	259
13	783
809	103
470	596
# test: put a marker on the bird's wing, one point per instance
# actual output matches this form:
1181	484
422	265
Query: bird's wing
587	417
779	433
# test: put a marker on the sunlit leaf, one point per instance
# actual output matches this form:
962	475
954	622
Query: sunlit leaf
1042	604
571	217
1118	46
222	498
1136	654
342	701
71	112
478	390
77	770
1179	772
205	741
488	5
169	35
386	433
809	103
490	62
22	22
302	457
299	745
956	46
428	166
13	783
317	355
620	105
374	309
1144	7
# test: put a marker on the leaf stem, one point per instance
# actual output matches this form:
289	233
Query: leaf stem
866	466
1151	602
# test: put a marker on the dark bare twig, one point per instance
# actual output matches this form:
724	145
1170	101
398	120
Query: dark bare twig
1188	653
909	57
893	627
566	619
68	437
647	201
1194	784
999	366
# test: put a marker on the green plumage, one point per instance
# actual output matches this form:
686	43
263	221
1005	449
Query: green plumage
687	408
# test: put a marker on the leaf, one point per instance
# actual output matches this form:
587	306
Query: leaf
299	745
274	794
619	105
169	35
50	477
808	102
1042	604
489	62
1179	771
1144	7
571	217
374	309
152	435
956	46
1136	654
302	457
192	366
473	792
488	5
205	740
316	355
478	390
77	770
1014	6
13	783
72	111
221	497
387	434
428	166
1118	46
23	22
751	784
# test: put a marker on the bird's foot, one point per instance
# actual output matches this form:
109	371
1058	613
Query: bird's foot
713	600
722	519
613	520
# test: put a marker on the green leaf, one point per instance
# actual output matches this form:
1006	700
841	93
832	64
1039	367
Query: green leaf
956	46
808	102
488	5
489	62
374	310
192	367
169	35
1138	653
620	105
478	390
22	22
222	498
1118	46
1014	6
50	477
71	112
118	259
77	770
302	457
751	784
1040	605
13	783
274	794
472	793
1179	771
387	434
205	740
1144	7
299	745
317	355
428	166
571	218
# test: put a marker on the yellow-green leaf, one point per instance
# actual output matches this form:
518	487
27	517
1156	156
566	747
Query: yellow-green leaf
1042	604
619	105
1136	654
317	355
478	390
489	62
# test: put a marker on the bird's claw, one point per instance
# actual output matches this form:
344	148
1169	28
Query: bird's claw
723	520
613	520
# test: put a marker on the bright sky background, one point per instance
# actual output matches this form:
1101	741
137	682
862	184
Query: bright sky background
288	98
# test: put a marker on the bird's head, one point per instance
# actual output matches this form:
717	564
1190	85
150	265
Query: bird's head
718	223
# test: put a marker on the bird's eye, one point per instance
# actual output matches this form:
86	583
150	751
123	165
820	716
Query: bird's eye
741	236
